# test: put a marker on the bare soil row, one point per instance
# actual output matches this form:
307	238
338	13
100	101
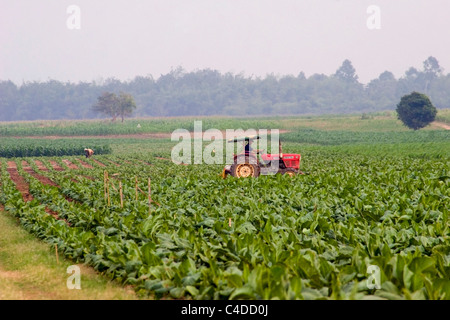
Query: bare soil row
56	166
23	187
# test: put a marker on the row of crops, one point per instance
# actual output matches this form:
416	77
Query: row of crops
320	137
274	237
132	126
11	148
157	125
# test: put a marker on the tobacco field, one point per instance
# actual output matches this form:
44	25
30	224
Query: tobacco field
311	236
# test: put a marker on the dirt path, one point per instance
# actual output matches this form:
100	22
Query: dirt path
156	135
40	165
11	165
441	125
24	189
99	163
20	182
47	181
69	164
85	164
42	179
149	164
55	165
114	163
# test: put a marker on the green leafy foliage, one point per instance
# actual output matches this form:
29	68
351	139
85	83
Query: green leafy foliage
307	237
11	148
115	106
416	111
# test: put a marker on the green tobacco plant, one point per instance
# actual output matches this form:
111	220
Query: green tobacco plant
275	237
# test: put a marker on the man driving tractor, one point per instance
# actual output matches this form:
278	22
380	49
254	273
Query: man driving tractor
247	164
248	148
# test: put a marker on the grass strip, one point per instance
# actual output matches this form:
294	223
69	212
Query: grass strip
30	270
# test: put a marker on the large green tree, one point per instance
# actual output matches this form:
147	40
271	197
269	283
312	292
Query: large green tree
416	111
115	106
106	104
126	105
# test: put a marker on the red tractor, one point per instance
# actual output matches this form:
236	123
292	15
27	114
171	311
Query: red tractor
247	164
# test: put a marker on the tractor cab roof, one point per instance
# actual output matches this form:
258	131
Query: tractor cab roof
246	138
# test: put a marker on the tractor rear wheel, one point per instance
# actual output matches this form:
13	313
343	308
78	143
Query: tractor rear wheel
244	170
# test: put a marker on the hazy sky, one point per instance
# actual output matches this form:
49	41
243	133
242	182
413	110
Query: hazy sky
123	39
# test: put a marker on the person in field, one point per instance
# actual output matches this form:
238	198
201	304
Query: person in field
248	148
88	152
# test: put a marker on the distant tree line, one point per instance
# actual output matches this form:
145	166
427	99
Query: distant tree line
209	92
